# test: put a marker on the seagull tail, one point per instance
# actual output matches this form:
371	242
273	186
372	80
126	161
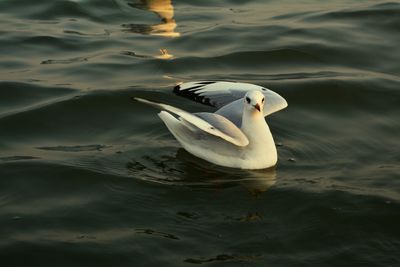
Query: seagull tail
151	103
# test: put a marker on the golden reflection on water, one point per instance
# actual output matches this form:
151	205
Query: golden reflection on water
164	54
165	10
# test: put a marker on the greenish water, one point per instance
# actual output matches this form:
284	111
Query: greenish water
90	178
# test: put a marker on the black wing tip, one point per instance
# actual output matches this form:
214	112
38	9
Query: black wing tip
191	93
177	89
206	82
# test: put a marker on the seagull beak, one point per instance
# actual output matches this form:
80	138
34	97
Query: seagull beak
257	106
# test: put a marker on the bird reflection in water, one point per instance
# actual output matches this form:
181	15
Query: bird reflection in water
256	182
185	169
164	9
259	181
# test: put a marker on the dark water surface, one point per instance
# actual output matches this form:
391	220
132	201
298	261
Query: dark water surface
90	178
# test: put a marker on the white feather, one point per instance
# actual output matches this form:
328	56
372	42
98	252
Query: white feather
236	137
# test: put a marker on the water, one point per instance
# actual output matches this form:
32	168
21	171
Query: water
90	178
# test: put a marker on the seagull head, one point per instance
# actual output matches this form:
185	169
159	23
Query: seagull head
254	101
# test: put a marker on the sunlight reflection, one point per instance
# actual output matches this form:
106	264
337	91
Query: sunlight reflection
165	10
164	54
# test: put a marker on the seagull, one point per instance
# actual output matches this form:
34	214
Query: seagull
236	135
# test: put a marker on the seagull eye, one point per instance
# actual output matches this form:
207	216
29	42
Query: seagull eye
262	101
248	100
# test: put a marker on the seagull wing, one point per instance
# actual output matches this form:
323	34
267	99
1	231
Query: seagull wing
227	96
211	123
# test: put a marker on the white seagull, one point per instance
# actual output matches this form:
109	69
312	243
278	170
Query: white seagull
236	135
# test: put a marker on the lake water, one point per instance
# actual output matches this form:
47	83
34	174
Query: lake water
90	178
